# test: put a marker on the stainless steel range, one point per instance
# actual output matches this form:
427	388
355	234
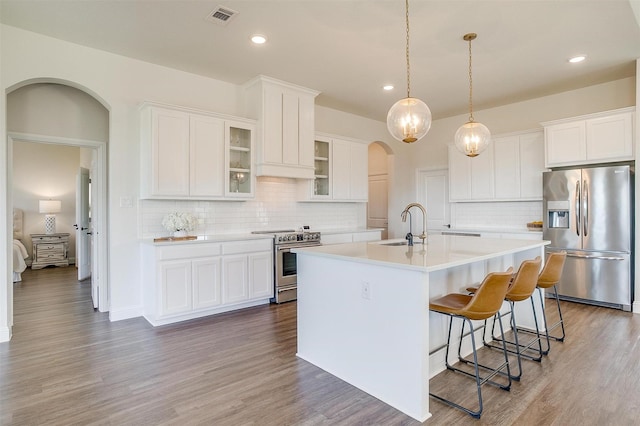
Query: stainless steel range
285	264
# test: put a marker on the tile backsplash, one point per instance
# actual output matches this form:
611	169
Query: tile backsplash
274	207
502	215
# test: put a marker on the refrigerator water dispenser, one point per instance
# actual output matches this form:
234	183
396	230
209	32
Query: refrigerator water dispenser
559	219
558	214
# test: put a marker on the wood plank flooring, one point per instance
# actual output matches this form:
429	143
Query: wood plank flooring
68	365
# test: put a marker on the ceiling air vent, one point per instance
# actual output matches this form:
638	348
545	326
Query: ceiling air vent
221	15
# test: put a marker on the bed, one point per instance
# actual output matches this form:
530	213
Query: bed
19	250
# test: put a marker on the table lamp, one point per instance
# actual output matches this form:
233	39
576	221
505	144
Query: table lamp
49	207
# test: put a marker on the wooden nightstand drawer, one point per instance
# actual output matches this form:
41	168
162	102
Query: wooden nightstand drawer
50	250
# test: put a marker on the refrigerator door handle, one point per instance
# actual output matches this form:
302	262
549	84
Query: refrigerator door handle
577	204
586	256
585	212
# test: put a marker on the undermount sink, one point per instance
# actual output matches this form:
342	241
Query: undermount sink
394	243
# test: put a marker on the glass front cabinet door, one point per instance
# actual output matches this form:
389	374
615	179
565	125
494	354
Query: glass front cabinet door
321	181
240	179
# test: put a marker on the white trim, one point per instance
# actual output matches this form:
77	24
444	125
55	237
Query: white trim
5	334
589	116
100	226
127	313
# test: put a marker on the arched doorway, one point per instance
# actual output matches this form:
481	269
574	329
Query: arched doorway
380	178
62	115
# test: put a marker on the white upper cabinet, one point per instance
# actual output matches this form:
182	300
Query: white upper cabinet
341	170
590	139
531	146
192	154
285	114
471	179
207	149
509	170
519	163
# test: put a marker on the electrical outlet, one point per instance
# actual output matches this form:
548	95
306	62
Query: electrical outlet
366	290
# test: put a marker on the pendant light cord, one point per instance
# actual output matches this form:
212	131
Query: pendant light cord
407	52
470	84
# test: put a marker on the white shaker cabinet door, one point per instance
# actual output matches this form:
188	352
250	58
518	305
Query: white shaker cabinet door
506	154
459	175
272	137
565	143
207	156
482	175
207	290
341	168
531	165
261	275
359	178
610	138
235	280
289	128
170	152
175	282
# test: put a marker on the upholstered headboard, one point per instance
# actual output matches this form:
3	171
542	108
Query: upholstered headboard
18	223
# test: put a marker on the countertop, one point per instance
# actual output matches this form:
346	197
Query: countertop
523	230
213	239
346	231
440	252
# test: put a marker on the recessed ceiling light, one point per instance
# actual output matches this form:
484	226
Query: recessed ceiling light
387	87
258	39
577	59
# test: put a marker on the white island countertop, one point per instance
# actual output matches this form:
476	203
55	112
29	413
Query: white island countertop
440	252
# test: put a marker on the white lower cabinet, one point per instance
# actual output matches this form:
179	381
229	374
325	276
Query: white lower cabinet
205	276
261	275
175	284
191	280
235	279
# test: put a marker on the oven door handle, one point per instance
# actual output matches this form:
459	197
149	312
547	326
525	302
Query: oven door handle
282	290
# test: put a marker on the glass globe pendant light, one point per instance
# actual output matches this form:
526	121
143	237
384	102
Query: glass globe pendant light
472	137
409	119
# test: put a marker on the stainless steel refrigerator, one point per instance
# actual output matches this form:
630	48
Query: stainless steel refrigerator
589	213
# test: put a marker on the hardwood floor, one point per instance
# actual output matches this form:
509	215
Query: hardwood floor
67	364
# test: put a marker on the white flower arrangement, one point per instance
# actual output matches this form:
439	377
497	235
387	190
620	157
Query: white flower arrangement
177	221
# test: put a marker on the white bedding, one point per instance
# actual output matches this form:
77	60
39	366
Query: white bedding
19	255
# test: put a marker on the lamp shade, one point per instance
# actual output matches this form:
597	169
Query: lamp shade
50	206
409	120
472	138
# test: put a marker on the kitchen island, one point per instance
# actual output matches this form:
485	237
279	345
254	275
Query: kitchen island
363	308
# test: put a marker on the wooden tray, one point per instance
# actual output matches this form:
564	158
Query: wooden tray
187	238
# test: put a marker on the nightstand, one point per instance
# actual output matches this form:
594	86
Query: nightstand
50	249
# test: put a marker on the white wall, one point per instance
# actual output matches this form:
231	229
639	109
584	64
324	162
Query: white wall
121	84
57	110
41	172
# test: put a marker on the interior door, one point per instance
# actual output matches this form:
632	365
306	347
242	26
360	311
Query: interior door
433	194
83	229
377	207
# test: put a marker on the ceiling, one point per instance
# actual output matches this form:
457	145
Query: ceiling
349	49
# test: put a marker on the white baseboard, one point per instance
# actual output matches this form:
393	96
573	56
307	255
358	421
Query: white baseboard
5	334
636	307
126	313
